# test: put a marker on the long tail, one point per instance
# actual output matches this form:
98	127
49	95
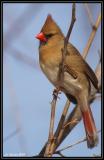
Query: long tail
90	128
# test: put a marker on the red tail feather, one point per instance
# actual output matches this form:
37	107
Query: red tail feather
91	132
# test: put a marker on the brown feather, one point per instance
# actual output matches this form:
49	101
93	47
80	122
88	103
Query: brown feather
80	64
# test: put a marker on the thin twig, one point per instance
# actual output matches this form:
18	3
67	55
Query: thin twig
60	154
64	50
70	29
72	145
98	73
91	37
60	128
89	15
62	119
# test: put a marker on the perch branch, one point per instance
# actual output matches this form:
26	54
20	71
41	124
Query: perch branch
60	128
51	129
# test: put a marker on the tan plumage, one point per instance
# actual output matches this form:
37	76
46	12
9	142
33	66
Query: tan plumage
50	56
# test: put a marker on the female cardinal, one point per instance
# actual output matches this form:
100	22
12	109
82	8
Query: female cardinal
77	73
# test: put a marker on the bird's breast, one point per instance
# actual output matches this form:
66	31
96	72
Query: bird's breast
50	72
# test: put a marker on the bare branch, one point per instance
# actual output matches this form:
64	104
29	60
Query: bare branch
89	15
60	129
64	50
62	119
51	129
98	73
91	37
76	143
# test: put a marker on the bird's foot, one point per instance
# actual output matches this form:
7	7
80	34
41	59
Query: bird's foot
57	91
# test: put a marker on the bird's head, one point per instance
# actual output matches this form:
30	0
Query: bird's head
49	29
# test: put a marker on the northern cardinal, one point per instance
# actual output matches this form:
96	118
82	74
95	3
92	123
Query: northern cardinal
77	74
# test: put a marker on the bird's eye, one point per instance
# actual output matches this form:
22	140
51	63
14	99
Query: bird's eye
49	36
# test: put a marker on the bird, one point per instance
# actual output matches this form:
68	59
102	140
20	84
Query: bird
77	77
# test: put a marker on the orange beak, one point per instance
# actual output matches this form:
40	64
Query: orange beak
41	37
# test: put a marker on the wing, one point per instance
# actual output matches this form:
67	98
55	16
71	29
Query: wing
91	75
78	64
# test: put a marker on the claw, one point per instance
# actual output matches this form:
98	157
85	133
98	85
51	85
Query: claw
57	91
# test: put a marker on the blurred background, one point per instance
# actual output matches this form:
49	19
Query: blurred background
26	91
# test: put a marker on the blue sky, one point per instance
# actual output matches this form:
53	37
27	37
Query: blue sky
26	91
